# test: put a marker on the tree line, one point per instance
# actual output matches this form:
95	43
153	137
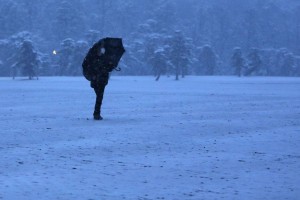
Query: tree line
154	54
179	37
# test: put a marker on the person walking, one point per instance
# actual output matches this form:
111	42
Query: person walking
102	59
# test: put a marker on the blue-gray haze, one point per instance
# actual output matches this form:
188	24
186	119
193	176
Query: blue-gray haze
209	32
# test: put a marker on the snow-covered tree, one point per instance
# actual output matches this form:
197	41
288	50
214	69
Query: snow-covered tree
4	68
146	40
288	66
27	60
159	62
268	61
152	43
80	51
92	36
237	61
279	58
46	67
254	62
21	55
263	24
134	58
179	54
65	57
208	60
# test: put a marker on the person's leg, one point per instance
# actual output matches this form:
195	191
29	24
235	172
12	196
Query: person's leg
157	77
99	90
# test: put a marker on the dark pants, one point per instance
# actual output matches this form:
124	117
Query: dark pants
99	90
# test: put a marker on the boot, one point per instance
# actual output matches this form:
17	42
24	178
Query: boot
97	116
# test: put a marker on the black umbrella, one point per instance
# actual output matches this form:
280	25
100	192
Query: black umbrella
114	50
105	54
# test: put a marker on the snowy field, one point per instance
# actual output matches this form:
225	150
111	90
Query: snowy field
197	138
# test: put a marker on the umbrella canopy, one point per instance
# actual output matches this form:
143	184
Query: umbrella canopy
104	55
114	50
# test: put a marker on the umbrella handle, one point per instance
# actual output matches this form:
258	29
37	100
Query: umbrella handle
118	69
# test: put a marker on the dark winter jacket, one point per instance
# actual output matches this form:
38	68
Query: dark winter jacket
100	80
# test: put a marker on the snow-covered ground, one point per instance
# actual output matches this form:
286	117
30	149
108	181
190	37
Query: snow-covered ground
197	138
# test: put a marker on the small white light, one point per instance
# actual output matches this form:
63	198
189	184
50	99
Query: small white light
54	52
102	50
